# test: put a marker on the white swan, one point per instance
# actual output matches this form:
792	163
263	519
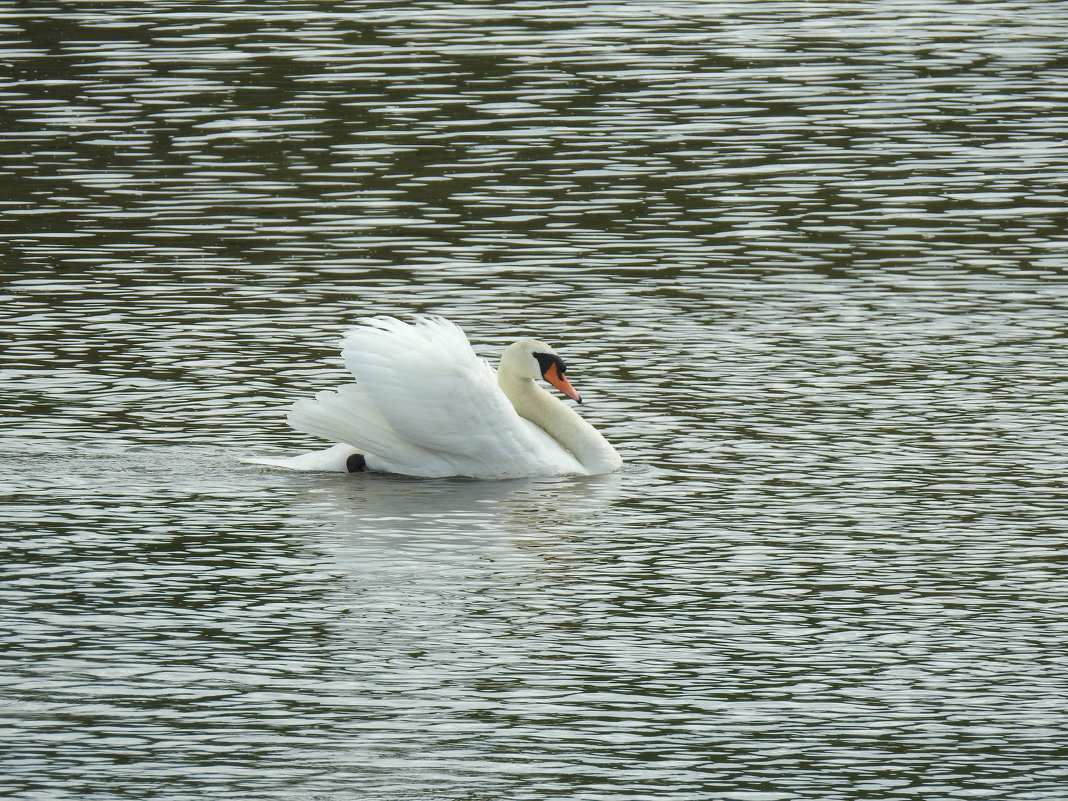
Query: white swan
426	405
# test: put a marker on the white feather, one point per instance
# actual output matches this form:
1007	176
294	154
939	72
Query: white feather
426	405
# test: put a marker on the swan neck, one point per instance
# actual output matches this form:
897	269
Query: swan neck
560	422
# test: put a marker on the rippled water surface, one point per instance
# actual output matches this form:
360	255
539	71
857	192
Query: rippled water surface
805	262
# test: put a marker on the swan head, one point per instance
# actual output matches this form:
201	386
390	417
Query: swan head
533	359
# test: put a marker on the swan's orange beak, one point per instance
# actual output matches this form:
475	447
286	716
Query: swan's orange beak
556	378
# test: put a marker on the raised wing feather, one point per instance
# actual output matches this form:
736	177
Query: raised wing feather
348	415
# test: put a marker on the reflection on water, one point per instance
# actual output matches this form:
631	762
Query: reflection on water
804	264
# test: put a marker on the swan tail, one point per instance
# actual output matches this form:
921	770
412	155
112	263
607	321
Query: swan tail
337	458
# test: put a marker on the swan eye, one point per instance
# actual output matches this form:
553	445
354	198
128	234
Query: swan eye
547	360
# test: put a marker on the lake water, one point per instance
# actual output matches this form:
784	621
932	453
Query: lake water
806	264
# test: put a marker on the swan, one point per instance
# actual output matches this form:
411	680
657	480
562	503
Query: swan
424	404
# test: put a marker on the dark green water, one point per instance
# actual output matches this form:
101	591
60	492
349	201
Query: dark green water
805	262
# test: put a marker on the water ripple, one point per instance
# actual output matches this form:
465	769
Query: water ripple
805	265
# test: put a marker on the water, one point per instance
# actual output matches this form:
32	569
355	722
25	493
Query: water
805	263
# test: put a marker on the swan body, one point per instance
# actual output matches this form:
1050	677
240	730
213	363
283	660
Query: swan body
424	404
